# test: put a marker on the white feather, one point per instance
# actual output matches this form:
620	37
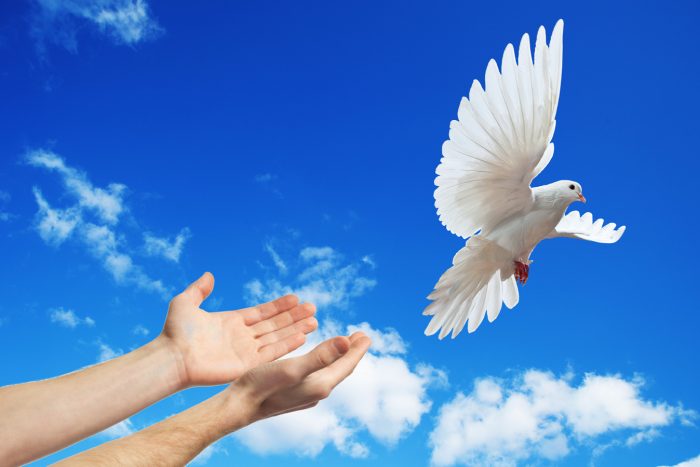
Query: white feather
574	225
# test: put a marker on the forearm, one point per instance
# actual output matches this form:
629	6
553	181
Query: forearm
41	417
172	442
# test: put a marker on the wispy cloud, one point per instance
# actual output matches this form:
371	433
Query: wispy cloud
267	181
265	178
322	277
125	22
106	352
165	247
107	203
539	415
279	263
4	200
140	330
69	319
93	220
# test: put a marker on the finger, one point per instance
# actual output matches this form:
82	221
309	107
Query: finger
313	370
200	289
323	355
276	350
262	312
282	320
343	367
304	326
356	335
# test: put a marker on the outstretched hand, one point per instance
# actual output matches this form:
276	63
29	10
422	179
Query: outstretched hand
301	382
218	347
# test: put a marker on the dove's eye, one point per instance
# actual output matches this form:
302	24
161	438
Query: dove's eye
571	187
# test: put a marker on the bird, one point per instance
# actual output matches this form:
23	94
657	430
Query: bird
501	141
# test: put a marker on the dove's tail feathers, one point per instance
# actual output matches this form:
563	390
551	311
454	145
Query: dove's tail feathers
471	289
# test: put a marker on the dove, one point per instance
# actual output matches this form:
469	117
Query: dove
500	142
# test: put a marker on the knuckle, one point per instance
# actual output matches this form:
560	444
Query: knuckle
177	300
320	359
322	392
290	375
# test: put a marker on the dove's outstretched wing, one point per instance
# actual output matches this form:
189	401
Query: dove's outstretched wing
574	225
502	139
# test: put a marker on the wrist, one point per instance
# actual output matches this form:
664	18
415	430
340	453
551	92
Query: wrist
172	360
240	407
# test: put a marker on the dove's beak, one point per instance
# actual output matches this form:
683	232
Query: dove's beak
582	198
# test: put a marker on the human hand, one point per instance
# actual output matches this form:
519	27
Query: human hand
218	347
297	383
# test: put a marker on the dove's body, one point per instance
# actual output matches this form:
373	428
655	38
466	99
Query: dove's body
520	233
499	144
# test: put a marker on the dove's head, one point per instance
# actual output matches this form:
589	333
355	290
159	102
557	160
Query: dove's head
568	190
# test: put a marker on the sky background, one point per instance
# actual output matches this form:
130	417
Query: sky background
292	146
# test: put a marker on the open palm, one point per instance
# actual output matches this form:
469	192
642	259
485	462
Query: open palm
301	382
216	348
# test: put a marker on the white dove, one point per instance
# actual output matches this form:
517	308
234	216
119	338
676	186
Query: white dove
500	143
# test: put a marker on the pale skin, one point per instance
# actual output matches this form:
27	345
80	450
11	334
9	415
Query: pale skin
195	348
271	389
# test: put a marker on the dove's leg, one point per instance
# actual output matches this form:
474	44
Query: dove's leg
522	271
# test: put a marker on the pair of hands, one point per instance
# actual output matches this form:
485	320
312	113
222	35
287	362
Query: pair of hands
220	347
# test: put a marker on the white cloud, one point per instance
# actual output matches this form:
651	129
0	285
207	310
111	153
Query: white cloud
207	453
387	342
103	244
54	225
140	330
107	204
279	263
93	220
69	318
164	246
323	278
537	414
694	462
369	260
106	352
119	430
384	398
126	22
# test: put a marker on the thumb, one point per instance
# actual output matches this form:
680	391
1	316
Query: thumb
200	289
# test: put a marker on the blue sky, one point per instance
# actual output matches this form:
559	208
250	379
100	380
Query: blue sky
293	147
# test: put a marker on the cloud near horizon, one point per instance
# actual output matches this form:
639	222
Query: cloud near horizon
536	414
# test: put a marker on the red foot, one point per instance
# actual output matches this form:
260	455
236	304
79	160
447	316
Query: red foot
521	272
